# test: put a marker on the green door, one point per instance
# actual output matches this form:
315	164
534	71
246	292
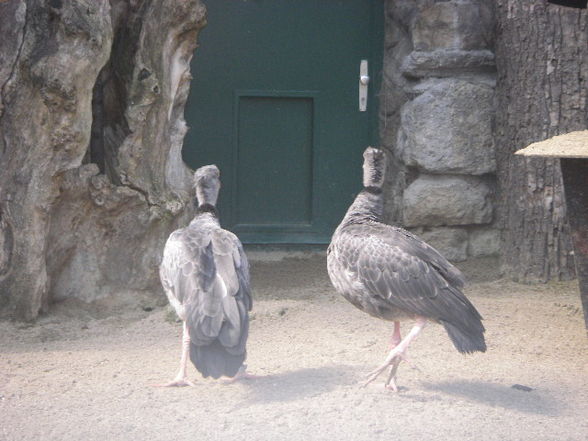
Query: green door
275	104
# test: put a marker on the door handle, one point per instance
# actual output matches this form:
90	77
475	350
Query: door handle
364	80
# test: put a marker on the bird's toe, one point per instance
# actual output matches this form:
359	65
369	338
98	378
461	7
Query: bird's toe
183	382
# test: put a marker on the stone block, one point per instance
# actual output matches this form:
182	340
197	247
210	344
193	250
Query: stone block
451	242
453	25
448	129
433	200
484	242
447	63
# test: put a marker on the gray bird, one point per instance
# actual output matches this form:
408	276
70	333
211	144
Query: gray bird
391	274
205	275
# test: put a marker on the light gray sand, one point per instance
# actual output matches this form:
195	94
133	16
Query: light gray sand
89	378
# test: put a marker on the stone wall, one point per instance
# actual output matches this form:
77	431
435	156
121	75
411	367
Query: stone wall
92	94
436	111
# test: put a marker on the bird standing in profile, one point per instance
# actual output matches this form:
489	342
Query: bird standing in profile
205	275
393	275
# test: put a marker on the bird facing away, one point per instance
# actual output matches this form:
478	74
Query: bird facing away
393	275
205	275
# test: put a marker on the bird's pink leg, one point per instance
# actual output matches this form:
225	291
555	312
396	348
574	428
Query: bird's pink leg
182	379
396	337
396	355
391	381
394	341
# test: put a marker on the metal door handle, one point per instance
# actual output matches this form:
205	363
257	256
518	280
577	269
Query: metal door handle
364	80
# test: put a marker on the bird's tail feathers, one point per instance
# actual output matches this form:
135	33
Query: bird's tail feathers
214	360
464	323
466	339
223	352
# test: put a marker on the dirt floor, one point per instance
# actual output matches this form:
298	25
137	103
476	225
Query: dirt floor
76	375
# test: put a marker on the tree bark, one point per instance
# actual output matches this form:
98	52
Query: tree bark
542	63
91	120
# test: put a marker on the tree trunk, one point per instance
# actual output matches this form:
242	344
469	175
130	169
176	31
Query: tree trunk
542	62
91	120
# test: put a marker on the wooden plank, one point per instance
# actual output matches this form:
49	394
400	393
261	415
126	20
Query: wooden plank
570	145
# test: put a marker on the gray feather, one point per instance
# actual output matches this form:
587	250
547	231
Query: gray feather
390	273
205	275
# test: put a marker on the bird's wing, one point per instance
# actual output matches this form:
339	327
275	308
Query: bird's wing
208	275
188	270
187	266
386	267
233	274
414	245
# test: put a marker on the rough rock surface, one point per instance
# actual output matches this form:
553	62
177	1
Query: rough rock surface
449	241
447	200
484	242
447	63
448	129
453	25
393	93
436	107
541	92
92	183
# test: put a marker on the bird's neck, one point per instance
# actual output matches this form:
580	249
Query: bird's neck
205	218
368	205
207	195
206	208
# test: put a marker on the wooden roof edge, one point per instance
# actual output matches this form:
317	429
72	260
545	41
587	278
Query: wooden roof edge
569	145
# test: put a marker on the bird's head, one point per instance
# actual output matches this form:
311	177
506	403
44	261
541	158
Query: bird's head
374	167
207	184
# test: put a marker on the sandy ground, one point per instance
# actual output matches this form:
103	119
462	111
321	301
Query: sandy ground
76	375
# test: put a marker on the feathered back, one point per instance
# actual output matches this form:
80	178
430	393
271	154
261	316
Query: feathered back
218	319
389	272
205	275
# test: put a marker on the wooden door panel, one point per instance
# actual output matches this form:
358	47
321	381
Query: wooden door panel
274	157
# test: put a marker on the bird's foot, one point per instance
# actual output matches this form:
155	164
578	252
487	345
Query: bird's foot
393	362
238	377
242	374
396	355
391	385
391	381
177	382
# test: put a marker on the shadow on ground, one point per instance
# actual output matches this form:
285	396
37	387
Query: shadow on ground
499	395
299	383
